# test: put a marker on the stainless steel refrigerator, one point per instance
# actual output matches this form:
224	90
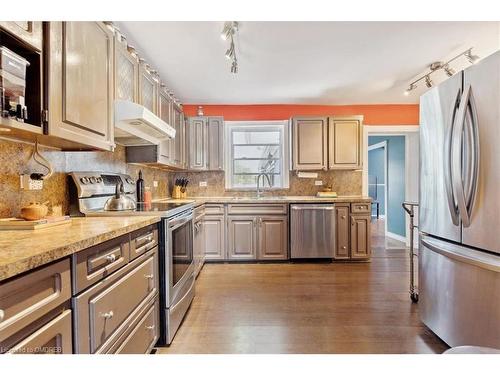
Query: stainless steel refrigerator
459	217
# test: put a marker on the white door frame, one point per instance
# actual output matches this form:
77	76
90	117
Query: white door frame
412	153
383	145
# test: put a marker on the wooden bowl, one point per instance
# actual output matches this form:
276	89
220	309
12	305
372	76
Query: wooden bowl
34	211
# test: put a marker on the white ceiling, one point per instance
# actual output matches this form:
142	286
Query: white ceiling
304	62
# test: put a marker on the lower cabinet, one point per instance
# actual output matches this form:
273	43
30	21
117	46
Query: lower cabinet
360	236
215	237
257	237
242	237
198	239
55	337
342	232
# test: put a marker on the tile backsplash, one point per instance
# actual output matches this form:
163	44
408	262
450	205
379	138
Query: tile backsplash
343	182
15	160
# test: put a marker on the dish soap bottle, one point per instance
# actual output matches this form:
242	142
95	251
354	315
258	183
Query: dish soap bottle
139	188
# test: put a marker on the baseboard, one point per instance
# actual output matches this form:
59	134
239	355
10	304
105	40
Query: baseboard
396	236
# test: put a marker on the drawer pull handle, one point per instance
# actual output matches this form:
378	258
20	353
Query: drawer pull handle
111	258
107	315
2	315
150	327
150	276
343	247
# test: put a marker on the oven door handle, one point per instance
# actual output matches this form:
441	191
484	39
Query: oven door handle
179	221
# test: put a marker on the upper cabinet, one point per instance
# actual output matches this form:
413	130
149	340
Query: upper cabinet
148	88
29	32
205	143
126	73
345	142
180	137
80	84
321	143
309	137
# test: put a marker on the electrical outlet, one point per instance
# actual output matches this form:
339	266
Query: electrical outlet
27	183
318	183
203	184
155	184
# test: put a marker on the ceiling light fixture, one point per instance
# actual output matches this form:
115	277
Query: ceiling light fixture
228	32
438	65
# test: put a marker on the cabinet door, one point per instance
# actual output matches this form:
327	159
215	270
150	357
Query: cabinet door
215	155
360	236
55	337
345	143
341	232
273	237
198	245
309	147
197	142
81	84
126	74
148	90
215	248
178	124
242	237
166	147
30	32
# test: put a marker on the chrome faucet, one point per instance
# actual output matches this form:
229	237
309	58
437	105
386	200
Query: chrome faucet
258	184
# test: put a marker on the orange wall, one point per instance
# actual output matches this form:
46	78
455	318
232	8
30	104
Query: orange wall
375	114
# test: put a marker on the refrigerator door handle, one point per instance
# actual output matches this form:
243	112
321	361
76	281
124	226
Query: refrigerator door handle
472	155
452	205
456	158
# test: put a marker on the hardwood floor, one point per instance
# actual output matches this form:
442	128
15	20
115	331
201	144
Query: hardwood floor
307	308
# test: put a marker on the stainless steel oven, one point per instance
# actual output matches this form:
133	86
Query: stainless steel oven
178	262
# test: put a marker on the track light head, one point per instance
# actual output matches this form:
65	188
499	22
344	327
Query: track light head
448	70
229	29
472	58
230	51
234	67
428	81
412	86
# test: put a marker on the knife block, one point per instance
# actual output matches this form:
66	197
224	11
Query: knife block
176	192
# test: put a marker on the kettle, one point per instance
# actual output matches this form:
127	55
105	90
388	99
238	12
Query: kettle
120	202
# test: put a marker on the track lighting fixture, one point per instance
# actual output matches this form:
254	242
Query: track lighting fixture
428	81
228	32
449	71
438	65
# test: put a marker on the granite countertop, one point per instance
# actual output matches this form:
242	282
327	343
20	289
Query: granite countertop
273	199
23	250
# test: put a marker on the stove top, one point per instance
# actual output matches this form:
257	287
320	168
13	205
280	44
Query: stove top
162	209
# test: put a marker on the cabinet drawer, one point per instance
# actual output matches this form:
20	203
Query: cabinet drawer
214	209
102	311
143	240
360	208
29	297
268	209
144	333
55	337
97	262
199	212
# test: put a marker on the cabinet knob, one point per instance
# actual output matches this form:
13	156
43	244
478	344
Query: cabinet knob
150	276
343	247
343	217
111	258
2	315
150	327
107	315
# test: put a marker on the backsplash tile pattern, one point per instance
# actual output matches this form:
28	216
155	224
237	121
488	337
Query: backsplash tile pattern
14	157
343	182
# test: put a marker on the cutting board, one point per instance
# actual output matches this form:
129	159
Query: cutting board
13	223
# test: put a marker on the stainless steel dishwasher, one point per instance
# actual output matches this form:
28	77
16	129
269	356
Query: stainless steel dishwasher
312	228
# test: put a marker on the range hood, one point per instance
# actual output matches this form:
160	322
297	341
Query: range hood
135	125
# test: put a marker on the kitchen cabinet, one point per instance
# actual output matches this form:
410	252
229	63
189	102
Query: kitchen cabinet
80	84
166	147
345	137
148	88
342	232
360	236
179	148
199	239
197	143
29	32
205	143
242	237
215	237
273	237
331	142
126	73
309	143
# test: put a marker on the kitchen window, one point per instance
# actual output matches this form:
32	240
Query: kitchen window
253	148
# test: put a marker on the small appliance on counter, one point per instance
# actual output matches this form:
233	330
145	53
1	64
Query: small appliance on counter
12	85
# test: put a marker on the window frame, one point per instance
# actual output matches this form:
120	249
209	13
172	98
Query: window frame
273	125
